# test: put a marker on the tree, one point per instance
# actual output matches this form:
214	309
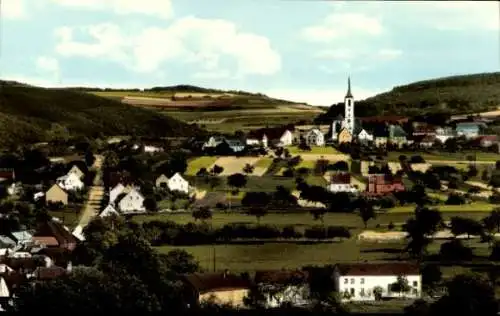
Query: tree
401	286
203	213
366	212
377	293
203	172
180	261
104	293
431	276
258	212
248	169
237	180
419	308
492	221
461	225
150	204
216	170
89	158
318	214
177	162
469	295
257	199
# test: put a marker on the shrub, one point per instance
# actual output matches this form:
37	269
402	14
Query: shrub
455	251
455	199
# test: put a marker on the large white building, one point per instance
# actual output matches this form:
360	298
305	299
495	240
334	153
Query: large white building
360	281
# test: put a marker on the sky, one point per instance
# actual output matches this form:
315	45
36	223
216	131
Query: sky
291	49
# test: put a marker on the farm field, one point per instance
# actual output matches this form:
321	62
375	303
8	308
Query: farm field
445	157
194	165
233	165
324	150
288	255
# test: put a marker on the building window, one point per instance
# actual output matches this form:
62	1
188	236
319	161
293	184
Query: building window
353	294
352	281
415	283
362	292
346	281
362	281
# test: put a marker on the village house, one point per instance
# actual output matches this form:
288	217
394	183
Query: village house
53	234
75	170
364	137
380	136
341	182
221	288
256	138
56	194
283	287
344	136
469	129
109	210
397	136
373	281
175	183
486	141
271	136
70	182
425	141
423	130
161	181
445	133
381	184
22	237
314	137
213	142
131	203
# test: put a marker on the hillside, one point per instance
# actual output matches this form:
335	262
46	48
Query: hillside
27	113
449	95
216	110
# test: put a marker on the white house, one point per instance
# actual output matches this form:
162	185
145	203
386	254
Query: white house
365	281
444	133
22	237
315	138
70	182
255	140
152	149
341	182
281	286
74	169
132	202
114	192
108	211
177	183
286	139
364	136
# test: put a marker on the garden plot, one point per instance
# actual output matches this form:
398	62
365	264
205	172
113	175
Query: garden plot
233	165
261	166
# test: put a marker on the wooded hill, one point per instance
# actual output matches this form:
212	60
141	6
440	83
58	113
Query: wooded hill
27	114
450	95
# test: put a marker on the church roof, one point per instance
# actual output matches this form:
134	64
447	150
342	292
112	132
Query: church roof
349	93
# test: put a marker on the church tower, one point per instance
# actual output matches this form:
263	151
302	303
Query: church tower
349	108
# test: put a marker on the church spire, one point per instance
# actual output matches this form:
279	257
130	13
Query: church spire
349	94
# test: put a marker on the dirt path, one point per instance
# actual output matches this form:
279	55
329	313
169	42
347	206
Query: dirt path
95	195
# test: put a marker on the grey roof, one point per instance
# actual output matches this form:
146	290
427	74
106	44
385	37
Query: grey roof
6	241
22	235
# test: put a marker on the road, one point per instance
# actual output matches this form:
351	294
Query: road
95	195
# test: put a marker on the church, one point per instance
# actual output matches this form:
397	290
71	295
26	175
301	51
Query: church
346	129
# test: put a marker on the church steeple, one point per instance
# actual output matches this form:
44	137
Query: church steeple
349	94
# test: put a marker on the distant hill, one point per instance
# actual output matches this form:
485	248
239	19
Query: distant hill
28	112
448	95
215	110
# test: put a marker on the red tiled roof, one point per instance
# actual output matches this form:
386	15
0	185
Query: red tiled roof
341	178
44	273
48	241
399	268
492	138
281	276
206	282
54	229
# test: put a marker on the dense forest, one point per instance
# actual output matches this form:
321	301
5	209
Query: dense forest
28	113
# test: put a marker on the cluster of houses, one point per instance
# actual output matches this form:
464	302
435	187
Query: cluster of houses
40	254
70	182
127	199
379	131
354	282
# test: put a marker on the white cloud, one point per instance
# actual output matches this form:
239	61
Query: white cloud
320	97
49	68
452	15
14	9
203	43
342	25
159	8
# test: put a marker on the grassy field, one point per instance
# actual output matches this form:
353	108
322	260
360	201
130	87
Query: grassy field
326	150
479	207
265	162
194	165
445	156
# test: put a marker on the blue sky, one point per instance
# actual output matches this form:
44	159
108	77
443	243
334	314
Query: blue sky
298	50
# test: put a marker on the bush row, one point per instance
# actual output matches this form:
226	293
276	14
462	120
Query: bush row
161	233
